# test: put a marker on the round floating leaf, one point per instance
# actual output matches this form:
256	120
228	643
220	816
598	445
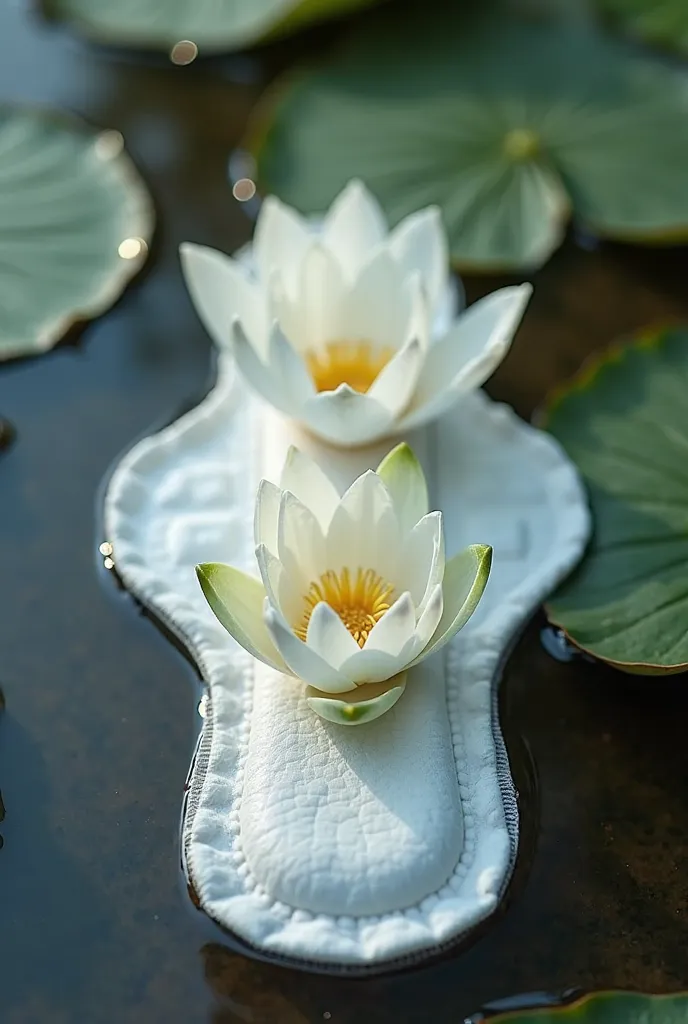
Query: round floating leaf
212	25
75	221
624	422
664	22
506	124
604	1008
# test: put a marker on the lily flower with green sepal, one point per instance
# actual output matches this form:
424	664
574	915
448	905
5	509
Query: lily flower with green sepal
351	329
354	590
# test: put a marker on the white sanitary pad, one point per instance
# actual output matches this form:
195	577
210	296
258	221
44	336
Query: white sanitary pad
347	848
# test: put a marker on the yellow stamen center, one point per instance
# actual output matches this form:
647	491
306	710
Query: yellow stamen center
359	600
356	363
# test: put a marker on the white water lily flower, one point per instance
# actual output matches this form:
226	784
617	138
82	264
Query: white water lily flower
350	329
354	591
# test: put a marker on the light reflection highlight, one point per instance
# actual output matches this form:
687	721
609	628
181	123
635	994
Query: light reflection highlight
131	248
244	189
184	52
108	145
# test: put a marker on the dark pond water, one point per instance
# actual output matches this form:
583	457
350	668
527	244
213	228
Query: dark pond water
100	719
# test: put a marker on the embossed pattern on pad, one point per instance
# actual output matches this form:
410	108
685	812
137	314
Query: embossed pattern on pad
186	495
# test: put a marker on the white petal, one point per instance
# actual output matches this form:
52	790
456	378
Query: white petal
329	637
465	579
423	559
287	366
260	377
394	629
300	542
364	533
266	515
419	243
304	662
427	623
237	601
360	708
354	226
346	417
304	478
379	305
280	241
469	353
373	666
319	313
286	594
221	292
403	476
397	381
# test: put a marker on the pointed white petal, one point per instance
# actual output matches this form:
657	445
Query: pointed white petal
419	243
346	417
397	381
303	661
300	542
221	292
305	479
394	629
373	666
378	306
329	637
361	708
319	316
286	594
280	241
237	601
465	579
260	377
403	476
287	366
423	559
354	226
266	515
469	353
427	623
365	533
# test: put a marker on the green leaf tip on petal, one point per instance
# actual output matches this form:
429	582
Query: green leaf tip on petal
465	579
348	712
236	599
403	476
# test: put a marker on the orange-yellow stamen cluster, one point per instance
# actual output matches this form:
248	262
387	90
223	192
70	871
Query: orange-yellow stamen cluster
360	601
356	363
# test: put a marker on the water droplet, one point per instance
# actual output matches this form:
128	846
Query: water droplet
203	706
559	647
244	189
108	563
184	52
131	248
105	548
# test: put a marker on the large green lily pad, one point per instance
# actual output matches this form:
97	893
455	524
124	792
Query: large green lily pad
663	22
213	25
75	221
507	124
624	422
605	1008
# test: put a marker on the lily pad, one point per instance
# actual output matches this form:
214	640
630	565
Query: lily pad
624	422
604	1008
213	25
507	124
662	22
75	221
